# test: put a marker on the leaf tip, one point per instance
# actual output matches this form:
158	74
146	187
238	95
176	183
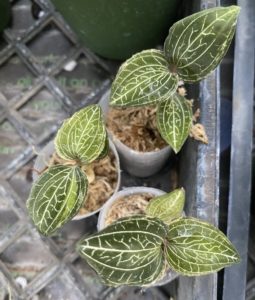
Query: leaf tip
236	9
236	257
182	191
176	148
78	246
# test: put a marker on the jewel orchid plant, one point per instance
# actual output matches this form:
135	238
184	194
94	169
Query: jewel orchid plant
193	48
140	249
59	192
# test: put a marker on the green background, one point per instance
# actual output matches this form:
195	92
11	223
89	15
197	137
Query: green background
4	13
119	28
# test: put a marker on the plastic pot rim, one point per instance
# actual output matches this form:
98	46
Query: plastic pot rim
137	163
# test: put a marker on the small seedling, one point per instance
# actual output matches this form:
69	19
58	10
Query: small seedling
193	48
60	192
138	250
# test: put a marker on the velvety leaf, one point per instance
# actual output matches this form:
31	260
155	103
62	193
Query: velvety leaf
56	197
83	136
174	120
144	78
105	150
196	44
128	251
168	206
195	248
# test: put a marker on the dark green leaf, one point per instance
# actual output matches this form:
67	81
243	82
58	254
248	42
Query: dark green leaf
174	120
82	137
144	78
196	45
56	197
195	248
168	206
127	252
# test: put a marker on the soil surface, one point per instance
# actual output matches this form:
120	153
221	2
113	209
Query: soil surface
128	206
136	128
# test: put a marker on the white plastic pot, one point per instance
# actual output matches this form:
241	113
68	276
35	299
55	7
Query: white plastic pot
44	157
140	164
170	274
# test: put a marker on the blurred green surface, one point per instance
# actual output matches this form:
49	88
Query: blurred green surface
117	29
5	13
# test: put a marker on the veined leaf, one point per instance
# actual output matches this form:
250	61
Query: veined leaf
105	151
174	120
82	137
128	251
195	248
168	206
56	197
144	78
196	45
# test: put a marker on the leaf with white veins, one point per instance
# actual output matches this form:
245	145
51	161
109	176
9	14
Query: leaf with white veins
128	251
197	248
174	120
196	44
56	197
168	206
83	136
143	79
105	151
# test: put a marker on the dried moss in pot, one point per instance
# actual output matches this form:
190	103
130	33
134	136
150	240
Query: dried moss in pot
127	206
137	163
136	128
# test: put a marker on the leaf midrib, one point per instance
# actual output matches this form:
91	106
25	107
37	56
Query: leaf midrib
118	250
121	269
128	231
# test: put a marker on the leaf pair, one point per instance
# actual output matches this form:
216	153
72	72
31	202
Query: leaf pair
193	48
60	192
135	250
130	251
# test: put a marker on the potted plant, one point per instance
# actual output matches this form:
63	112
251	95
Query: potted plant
117	29
134	131
136	200
193	48
136	250
5	13
142	150
139	249
61	190
103	176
